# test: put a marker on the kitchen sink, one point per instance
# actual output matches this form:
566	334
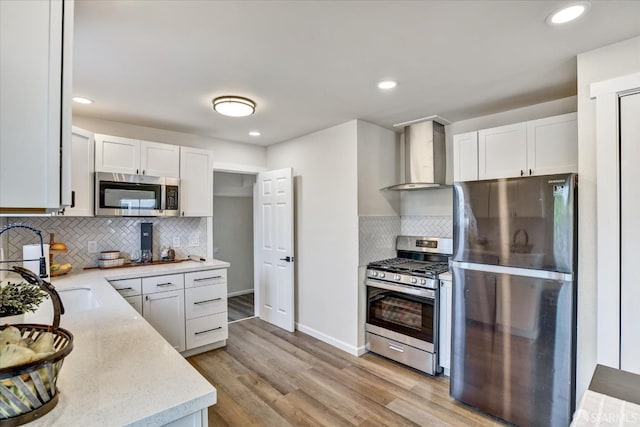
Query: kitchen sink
78	299
75	300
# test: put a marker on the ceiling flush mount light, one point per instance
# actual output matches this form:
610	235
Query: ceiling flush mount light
81	100
387	84
567	13
234	106
254	133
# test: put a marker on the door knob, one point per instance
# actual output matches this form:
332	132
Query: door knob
288	259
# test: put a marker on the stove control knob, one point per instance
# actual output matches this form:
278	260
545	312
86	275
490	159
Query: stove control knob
396	277
423	281
414	281
381	275
374	273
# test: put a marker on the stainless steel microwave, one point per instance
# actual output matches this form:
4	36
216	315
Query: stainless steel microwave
118	194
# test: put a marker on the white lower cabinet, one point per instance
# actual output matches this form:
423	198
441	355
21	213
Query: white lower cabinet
189	310
445	325
165	312
206	307
136	302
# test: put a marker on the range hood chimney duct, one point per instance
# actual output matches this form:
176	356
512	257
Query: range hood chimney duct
425	164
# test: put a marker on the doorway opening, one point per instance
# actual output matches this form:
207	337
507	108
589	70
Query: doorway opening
233	238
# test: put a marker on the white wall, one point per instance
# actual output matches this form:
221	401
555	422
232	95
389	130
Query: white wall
227	155
326	216
378	158
594	66
233	240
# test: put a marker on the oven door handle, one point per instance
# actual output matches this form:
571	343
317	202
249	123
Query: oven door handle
409	290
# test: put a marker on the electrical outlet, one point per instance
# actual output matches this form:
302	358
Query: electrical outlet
194	239
92	247
176	242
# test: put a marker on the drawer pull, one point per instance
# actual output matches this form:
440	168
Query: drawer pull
124	289
207	278
396	348
208	330
160	285
206	301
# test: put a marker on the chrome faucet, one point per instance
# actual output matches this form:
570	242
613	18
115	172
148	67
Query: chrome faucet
43	262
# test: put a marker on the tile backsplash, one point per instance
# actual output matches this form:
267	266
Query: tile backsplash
378	233
121	234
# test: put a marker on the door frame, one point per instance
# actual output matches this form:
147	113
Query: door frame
606	95
245	170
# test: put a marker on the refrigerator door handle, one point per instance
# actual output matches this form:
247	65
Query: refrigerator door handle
514	271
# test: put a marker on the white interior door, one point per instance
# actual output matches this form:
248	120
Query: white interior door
274	248
630	232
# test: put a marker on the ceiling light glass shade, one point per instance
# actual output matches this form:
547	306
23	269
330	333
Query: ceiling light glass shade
234	106
567	14
81	100
387	84
254	133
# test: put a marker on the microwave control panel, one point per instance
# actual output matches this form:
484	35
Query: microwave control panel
172	198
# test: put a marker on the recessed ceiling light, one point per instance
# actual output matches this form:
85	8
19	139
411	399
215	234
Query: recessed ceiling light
567	13
81	100
387	84
234	106
254	133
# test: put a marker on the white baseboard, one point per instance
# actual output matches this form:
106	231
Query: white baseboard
329	340
362	350
235	294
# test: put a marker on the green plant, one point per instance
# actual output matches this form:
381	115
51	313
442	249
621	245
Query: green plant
18	298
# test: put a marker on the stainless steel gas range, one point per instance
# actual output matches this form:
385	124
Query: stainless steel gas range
403	302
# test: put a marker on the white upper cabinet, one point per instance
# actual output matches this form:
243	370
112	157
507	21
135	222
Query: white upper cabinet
502	151
465	157
159	159
538	147
132	156
196	182
82	159
552	145
35	105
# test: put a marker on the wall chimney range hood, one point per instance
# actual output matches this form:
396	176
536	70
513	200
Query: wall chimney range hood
424	157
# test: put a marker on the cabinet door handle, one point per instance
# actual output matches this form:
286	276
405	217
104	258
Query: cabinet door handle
73	199
207	278
521	172
124	289
207	301
161	285
396	348
142	171
208	330
530	172
137	171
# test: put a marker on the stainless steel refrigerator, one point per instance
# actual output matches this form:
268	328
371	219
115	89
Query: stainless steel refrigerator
514	298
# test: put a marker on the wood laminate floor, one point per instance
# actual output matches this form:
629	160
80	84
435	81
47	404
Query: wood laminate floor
266	376
240	307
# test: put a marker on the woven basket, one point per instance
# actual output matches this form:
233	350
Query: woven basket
29	391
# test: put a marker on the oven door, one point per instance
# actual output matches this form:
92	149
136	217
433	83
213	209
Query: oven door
409	313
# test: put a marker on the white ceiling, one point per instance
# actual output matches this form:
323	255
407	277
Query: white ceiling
310	65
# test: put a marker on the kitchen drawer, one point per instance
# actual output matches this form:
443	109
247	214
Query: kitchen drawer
204	278
205	300
169	282
127	287
206	330
136	302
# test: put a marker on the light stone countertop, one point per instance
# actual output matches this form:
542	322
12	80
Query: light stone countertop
121	371
446	276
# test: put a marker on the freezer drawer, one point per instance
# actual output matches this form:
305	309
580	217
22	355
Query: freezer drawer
513	336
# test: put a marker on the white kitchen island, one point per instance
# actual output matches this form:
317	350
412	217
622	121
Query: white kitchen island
121	372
